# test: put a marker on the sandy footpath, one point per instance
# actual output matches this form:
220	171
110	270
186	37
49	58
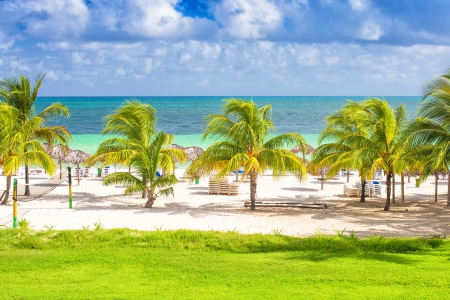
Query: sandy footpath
193	208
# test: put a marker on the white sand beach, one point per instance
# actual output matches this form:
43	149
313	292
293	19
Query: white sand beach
193	208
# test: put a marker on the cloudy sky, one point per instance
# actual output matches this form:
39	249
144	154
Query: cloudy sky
226	47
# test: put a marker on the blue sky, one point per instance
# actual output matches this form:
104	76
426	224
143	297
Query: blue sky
226	47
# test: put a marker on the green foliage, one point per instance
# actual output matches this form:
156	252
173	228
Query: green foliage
98	225
24	223
243	131
340	233
277	232
366	136
138	144
319	233
352	234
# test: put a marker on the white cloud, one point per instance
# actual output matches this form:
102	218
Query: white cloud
53	19
18	65
78	59
358	5
148	65
52	75
120	72
249	19
159	19
370	30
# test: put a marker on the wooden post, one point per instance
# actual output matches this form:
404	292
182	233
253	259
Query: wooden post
15	203
70	187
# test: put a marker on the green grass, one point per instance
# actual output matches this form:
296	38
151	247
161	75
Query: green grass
128	264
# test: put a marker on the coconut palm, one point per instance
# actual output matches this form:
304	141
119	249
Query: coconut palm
16	148
243	129
140	145
343	131
367	136
19	93
430	138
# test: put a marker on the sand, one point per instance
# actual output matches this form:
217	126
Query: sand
193	208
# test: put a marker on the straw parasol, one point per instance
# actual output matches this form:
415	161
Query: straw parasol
309	149
76	157
59	152
46	147
175	146
192	153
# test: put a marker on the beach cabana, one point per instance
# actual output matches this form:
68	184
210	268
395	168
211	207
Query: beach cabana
76	157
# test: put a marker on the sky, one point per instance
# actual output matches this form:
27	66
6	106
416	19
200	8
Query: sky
226	47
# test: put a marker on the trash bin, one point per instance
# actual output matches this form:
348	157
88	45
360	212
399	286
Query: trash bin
417	183
197	180
99	172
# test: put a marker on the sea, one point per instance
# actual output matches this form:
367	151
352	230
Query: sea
184	116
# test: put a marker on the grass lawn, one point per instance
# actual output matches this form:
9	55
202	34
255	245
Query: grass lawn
128	264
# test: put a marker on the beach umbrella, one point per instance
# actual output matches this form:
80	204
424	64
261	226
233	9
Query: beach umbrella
309	149
175	146
193	152
59	152
76	157
46	147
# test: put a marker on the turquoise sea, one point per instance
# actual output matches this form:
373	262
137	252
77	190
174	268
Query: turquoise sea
184	116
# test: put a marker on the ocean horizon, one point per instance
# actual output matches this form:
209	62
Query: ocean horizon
184	116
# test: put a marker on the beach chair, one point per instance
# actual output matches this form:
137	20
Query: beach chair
375	188
234	188
86	172
106	171
378	174
353	189
21	171
213	186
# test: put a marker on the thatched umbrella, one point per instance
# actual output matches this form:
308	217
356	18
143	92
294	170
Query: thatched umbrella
192	153
46	147
59	152
175	146
76	157
309	149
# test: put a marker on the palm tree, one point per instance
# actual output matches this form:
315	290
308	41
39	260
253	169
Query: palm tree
343	128
430	138
367	136
16	148
19	93
140	145
244	128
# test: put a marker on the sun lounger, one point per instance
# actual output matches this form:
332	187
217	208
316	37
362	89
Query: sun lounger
353	189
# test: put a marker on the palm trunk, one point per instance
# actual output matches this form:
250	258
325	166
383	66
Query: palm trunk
253	185
363	191
150	199
348	175
402	188
144	193
60	168
237	175
78	173
393	188
448	188
388	191
436	176
27	182
322	179
8	188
